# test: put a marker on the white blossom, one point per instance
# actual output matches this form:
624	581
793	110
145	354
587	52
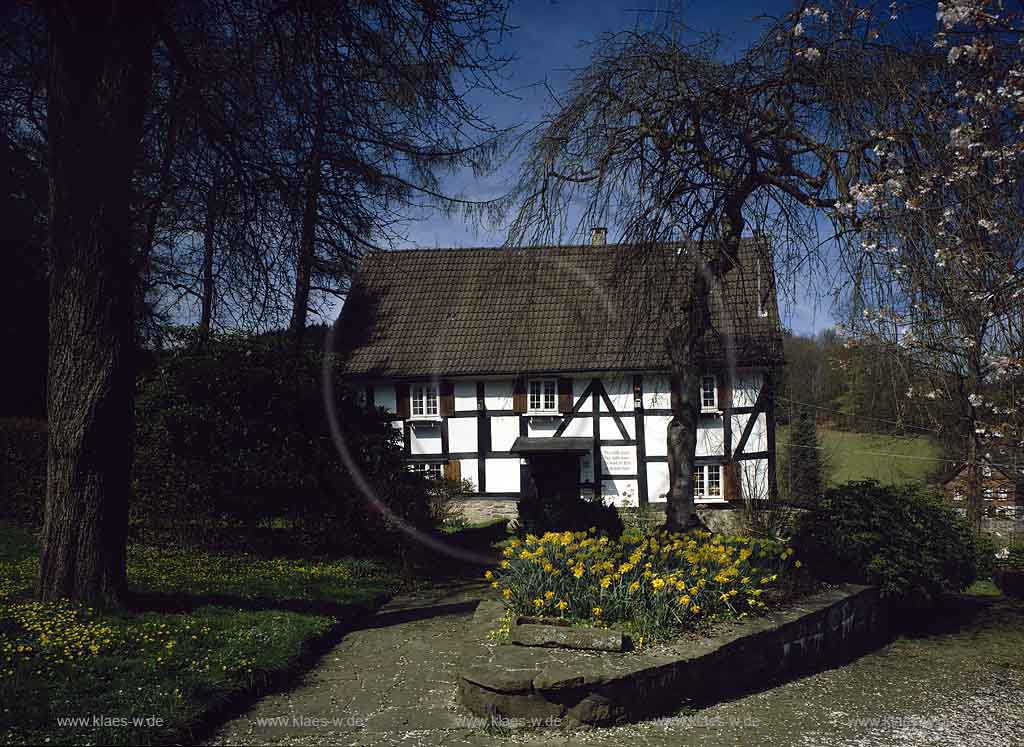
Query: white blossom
813	11
953	12
964	51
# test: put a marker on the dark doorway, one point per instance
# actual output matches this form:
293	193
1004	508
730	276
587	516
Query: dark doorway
554	478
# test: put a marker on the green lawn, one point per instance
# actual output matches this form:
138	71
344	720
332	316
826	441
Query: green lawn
243	620
861	456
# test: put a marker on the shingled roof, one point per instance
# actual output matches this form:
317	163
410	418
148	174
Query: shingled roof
445	312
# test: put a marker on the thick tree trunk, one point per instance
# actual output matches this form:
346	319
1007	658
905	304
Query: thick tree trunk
683	344
684	348
100	68
681	511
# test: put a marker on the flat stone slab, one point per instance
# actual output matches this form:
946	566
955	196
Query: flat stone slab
587	687
566	636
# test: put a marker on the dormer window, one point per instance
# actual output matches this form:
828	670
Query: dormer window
708	395
543	397
424	400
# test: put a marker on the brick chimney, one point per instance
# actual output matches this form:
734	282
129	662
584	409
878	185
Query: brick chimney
598	236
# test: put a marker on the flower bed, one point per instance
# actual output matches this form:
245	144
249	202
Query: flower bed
653	586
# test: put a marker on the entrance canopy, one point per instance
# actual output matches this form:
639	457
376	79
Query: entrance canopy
552	445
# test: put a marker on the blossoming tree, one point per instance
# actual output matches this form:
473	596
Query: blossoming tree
935	216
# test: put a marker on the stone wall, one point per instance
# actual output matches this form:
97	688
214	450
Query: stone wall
570	689
483	510
727	520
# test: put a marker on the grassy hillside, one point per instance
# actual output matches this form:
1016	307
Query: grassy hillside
862	456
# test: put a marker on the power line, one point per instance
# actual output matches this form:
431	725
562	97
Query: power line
862	417
896	455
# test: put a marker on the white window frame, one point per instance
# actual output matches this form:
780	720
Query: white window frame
704	406
430	470
545	387
424	403
704	476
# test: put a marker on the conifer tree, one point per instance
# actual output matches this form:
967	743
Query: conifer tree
805	460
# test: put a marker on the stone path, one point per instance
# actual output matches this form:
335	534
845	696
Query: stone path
393	683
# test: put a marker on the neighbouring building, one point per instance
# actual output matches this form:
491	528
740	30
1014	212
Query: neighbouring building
498	365
1002	489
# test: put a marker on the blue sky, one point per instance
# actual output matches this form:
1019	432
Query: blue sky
549	44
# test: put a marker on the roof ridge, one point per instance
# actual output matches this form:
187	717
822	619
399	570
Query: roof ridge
502	247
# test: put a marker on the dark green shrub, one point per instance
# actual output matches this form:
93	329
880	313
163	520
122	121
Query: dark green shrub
23	472
537	516
986	547
904	539
235	430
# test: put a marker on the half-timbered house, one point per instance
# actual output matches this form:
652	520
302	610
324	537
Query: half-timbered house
495	365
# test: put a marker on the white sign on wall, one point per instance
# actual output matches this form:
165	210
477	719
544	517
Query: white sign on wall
618	460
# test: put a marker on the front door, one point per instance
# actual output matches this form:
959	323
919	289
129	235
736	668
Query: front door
555	477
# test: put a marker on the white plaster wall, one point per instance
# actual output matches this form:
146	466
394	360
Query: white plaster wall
620	392
469	471
502	475
579	384
758	440
754	478
465	395
425	440
610	430
655	434
504	432
709	438
657	481
498	395
656	392
580	428
542	427
384	395
620	492
462	434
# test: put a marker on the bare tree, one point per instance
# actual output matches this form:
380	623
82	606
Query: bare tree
670	143
198	85
366	105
